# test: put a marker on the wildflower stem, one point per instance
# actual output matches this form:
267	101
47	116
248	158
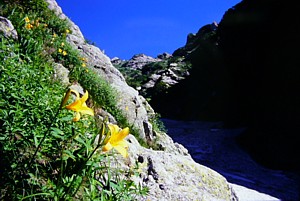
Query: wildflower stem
81	168
44	137
49	127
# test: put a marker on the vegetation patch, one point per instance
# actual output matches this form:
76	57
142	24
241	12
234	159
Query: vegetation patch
51	145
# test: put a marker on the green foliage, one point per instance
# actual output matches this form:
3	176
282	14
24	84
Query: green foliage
104	96
27	5
90	42
134	78
157	124
138	77
44	155
154	67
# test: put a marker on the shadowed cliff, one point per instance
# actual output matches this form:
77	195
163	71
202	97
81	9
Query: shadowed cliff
245	72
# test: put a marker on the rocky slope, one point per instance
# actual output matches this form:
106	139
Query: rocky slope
170	172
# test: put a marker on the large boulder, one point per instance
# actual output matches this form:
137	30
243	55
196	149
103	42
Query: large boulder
7	29
173	175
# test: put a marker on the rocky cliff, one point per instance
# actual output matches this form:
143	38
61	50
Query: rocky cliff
153	77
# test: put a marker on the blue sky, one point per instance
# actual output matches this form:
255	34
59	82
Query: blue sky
125	28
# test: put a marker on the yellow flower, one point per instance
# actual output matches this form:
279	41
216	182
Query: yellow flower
28	26
83	59
117	140
27	20
62	44
79	105
60	50
37	23
64	53
83	65
67	31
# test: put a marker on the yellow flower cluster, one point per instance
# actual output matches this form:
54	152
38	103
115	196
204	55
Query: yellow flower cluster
53	38
84	60
30	24
61	50
114	139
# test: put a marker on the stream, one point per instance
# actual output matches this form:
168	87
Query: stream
213	146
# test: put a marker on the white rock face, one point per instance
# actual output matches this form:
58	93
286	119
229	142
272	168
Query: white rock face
246	194
174	175
7	29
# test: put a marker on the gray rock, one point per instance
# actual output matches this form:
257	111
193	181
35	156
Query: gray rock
138	61
116	61
169	175
61	73
164	55
7	29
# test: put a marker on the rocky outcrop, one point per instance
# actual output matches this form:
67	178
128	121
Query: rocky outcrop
173	175
7	29
194	41
192	77
202	94
139	60
153	76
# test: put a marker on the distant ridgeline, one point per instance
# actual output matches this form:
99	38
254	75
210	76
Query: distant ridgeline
243	71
